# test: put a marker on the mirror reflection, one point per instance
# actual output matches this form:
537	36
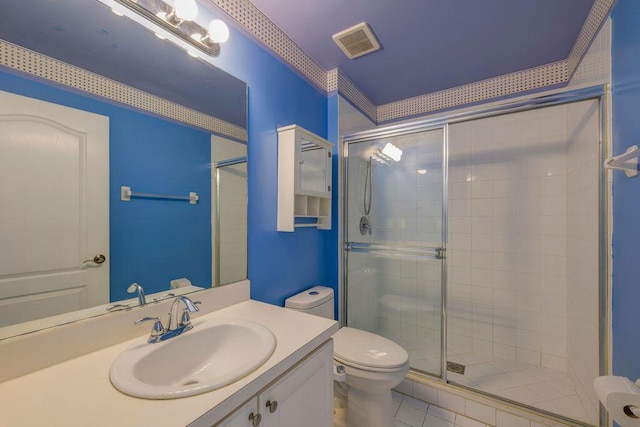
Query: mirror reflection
71	246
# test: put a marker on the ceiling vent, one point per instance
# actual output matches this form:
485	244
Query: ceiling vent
357	40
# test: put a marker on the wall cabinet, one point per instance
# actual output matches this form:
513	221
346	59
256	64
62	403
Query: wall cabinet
304	179
303	396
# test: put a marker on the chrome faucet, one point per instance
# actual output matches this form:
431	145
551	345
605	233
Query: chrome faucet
134	287
178	322
184	321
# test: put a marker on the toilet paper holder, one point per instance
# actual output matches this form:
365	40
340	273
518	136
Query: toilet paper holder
632	411
621	399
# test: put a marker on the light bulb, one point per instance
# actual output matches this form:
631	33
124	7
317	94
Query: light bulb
186	9
218	31
392	151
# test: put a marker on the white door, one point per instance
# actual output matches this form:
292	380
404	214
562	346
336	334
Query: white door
54	209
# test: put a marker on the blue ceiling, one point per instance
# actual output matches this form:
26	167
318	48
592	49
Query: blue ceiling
431	45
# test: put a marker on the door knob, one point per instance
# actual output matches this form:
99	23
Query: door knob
98	259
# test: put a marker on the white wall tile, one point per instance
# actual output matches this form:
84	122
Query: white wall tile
505	419
462	421
425	392
451	402
405	387
441	413
480	412
431	421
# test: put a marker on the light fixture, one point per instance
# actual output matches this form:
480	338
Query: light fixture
392	152
422	171
187	10
218	31
179	20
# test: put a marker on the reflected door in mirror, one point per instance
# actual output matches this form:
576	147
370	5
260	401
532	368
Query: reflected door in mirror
54	209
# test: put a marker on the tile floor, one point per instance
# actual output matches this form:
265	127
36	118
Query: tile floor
410	412
531	385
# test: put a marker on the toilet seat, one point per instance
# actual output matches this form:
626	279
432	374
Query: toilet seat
351	364
367	351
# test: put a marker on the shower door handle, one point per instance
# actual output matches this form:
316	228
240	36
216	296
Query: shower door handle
419	252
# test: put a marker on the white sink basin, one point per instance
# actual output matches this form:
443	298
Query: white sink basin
215	353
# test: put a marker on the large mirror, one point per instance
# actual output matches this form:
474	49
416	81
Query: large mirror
98	196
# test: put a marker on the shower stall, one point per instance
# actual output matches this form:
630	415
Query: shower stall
478	243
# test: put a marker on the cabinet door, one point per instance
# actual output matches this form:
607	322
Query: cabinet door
243	417
304	396
314	167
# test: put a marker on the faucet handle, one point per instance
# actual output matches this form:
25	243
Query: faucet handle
186	317
158	329
185	321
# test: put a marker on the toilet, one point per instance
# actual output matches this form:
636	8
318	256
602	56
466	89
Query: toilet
373	364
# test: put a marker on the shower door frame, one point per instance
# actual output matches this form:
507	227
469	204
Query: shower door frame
600	93
439	253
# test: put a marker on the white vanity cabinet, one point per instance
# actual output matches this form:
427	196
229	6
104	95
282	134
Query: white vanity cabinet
303	396
243	416
304	179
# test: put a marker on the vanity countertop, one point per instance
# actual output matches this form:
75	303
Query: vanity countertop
78	392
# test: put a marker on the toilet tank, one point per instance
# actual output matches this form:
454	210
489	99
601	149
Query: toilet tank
317	300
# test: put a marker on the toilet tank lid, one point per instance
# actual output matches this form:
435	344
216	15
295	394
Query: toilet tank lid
310	298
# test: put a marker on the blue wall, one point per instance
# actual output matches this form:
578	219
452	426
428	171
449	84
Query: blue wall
280	264
626	192
151	241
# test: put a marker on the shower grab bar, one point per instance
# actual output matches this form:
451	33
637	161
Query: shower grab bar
126	194
425	252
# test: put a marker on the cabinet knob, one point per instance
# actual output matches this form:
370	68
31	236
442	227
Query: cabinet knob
272	405
255	419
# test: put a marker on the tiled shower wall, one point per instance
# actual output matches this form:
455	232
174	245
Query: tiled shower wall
507	240
582	251
523	239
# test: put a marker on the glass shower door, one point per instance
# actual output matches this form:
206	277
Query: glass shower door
395	241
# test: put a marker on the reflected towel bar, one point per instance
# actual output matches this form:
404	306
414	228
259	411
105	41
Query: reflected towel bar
126	194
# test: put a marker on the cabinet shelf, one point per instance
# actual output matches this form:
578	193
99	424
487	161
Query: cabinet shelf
304	179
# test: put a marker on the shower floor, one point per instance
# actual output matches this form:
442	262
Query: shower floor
535	386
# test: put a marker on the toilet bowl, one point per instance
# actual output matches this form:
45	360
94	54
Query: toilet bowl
373	364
